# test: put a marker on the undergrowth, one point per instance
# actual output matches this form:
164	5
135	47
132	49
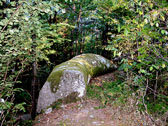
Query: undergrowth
116	93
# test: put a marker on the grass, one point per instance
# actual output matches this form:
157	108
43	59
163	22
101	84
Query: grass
115	92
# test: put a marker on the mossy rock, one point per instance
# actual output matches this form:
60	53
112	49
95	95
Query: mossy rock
72	77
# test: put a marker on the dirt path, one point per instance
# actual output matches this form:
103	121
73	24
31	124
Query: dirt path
90	113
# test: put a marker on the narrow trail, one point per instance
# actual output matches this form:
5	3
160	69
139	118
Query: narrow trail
89	113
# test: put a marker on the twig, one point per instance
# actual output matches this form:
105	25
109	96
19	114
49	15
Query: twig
20	70
156	85
159	55
70	7
6	72
156	93
125	55
11	17
12	99
2	117
18	7
143	100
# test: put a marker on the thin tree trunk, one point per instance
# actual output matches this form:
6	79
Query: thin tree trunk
34	81
77	36
81	43
104	41
71	44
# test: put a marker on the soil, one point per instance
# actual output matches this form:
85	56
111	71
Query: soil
90	112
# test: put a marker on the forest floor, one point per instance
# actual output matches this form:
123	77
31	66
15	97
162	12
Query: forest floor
90	112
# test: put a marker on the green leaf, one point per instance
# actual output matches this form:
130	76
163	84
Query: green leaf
163	32
119	28
151	68
126	32
114	53
157	24
146	21
163	65
156	67
143	71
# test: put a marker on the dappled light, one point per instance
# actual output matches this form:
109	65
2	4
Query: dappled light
44	43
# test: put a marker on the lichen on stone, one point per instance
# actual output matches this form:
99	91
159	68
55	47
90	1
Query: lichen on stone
70	77
89	64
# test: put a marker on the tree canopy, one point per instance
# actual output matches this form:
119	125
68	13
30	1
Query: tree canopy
36	35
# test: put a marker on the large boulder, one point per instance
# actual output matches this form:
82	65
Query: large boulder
71	77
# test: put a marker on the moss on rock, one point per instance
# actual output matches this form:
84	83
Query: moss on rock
70	77
89	64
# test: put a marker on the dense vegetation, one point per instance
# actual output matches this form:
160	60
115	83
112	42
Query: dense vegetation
36	35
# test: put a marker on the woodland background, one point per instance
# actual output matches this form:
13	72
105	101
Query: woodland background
36	35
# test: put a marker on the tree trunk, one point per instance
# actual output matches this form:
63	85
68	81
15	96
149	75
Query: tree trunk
77	36
34	81
105	41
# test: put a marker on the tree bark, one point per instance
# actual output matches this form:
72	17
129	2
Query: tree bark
77	36
105	41
34	81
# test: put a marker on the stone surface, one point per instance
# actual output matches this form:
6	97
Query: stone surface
91	111
69	79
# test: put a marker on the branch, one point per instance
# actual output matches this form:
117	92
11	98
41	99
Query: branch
159	55
4	116
70	8
6	72
156	83
11	17
143	100
18	7
20	70
125	55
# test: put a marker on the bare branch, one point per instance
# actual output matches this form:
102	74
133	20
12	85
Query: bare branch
157	53
146	109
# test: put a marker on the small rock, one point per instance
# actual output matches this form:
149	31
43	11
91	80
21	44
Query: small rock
63	106
102	121
96	123
91	116
49	110
80	106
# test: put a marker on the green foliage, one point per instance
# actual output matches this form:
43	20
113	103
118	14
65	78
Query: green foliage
50	32
25	37
26	123
139	37
114	93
